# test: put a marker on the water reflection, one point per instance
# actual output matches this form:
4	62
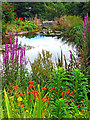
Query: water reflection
51	44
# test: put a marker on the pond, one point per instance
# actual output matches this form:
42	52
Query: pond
37	43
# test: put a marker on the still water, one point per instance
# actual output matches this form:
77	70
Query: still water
51	44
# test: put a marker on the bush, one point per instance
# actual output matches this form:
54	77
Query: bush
68	22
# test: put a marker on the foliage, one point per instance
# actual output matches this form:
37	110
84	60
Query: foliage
41	68
75	34
85	50
68	22
37	102
8	14
54	10
77	8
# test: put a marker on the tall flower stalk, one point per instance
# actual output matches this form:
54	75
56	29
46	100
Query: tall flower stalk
14	61
85	51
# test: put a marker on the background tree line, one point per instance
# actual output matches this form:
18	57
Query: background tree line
47	10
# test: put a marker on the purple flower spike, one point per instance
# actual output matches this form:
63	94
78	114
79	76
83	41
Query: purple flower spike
81	34
24	51
4	60
10	40
17	40
16	43
10	43
84	24
21	55
87	23
70	55
12	58
18	52
6	47
26	62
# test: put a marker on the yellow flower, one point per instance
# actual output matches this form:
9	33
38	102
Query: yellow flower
19	99
27	111
80	113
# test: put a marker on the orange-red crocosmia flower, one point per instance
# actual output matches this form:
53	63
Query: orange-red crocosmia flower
48	99
14	87
9	91
34	91
20	94
53	88
47	114
22	105
72	94
62	93
78	105
35	95
31	82
17	18
16	96
68	91
17	87
28	92
30	100
43	88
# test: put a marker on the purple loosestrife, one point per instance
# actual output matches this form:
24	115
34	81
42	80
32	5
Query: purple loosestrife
84	21
21	55
26	62
84	34
70	56
4	60
16	43
24	51
81	34
10	44
13	51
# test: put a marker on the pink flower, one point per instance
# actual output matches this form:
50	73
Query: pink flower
81	34
24	51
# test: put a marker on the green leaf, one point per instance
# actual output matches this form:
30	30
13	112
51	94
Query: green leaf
7	105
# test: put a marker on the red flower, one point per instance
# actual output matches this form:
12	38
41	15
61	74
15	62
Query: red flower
62	93
35	95
31	86
20	94
28	92
68	91
30	82
43	88
71	93
30	100
53	88
16	96
9	91
17	18
78	105
15	87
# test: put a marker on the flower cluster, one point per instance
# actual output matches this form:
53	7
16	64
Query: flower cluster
68	93
12	56
19	18
15	87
